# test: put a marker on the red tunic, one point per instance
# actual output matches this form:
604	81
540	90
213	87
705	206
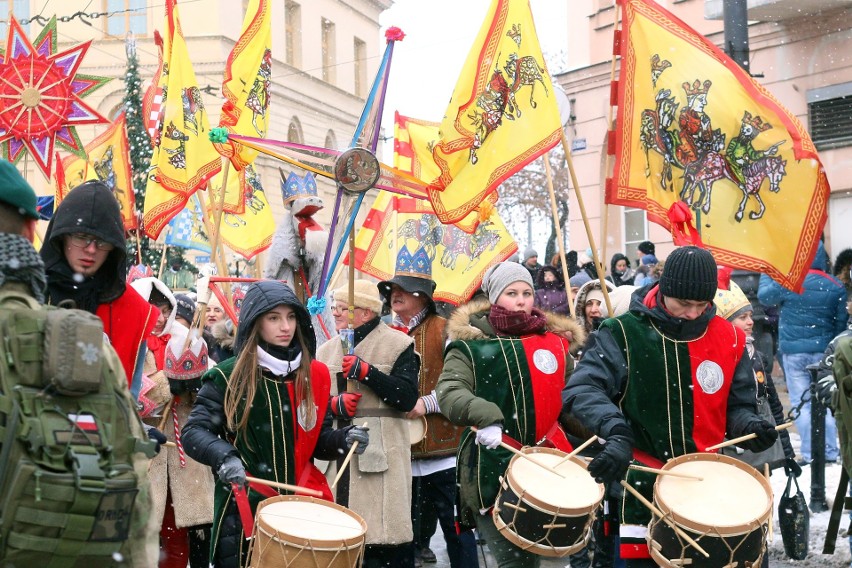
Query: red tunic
128	321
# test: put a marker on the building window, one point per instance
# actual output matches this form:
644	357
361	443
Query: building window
294	131
328	50
360	68
830	116
293	33
635	230
131	16
20	9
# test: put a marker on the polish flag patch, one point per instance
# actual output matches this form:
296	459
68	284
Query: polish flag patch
85	422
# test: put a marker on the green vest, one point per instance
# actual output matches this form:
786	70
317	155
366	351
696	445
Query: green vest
264	449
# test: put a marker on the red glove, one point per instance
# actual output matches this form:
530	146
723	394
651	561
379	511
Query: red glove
354	368
344	405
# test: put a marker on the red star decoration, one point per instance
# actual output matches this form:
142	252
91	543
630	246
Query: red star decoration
40	96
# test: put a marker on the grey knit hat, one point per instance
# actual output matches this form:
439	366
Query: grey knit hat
529	253
689	274
500	276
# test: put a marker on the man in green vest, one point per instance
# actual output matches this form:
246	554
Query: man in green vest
665	379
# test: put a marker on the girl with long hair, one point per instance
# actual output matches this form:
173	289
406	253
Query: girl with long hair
264	413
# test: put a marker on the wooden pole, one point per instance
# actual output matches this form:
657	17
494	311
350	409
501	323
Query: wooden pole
573	175
559	242
607	158
165	253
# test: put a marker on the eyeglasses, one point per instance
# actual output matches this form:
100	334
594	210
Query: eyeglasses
82	240
340	309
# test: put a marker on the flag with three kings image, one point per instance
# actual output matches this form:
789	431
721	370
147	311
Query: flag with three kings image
502	115
710	153
399	227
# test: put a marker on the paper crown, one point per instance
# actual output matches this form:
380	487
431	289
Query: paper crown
418	264
191	364
294	186
138	271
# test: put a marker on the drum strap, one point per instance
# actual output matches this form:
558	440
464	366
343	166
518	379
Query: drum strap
836	512
244	508
507	439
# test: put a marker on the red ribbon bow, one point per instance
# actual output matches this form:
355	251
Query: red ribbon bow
683	231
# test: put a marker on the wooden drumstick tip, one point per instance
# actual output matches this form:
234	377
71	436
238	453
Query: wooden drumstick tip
346	461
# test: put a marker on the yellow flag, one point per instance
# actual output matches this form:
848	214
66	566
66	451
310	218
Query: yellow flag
246	83
184	159
399	228
108	160
249	232
710	153
502	114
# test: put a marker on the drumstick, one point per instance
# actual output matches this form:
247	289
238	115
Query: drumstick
664	472
506	446
577	450
752	436
165	417
285	486
663	518
169	444
345	462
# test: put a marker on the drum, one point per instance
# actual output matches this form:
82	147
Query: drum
727	513
417	429
545	513
294	530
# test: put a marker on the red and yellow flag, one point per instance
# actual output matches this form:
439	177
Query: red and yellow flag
459	259
699	140
108	160
246	84
184	159
501	117
247	232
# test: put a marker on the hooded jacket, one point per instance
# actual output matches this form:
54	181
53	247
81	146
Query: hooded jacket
207	440
551	296
620	279
128	319
580	302
810	320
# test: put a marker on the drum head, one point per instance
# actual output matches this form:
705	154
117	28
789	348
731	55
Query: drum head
575	490
731	496
310	518
417	429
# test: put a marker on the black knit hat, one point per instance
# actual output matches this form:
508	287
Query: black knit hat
185	307
689	274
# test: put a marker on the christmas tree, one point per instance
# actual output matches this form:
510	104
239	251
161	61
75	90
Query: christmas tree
140	160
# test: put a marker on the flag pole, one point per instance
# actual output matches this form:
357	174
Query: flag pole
608	158
559	243
163	257
579	195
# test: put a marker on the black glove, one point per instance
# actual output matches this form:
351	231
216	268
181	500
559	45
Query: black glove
611	464
792	468
825	389
766	436
357	434
232	471
155	436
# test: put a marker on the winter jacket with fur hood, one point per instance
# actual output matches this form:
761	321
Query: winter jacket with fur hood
476	386
580	303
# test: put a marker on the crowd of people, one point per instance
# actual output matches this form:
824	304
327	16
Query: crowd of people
239	401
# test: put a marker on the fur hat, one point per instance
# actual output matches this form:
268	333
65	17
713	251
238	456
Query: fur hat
500	276
730	304
366	295
185	307
689	274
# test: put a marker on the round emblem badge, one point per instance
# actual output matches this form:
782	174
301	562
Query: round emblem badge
710	377
545	361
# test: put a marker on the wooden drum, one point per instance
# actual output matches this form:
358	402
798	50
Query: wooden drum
545	513
417	429
295	530
727	513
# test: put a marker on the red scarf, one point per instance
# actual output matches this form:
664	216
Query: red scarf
505	322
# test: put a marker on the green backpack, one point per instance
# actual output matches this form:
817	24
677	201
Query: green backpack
69	473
